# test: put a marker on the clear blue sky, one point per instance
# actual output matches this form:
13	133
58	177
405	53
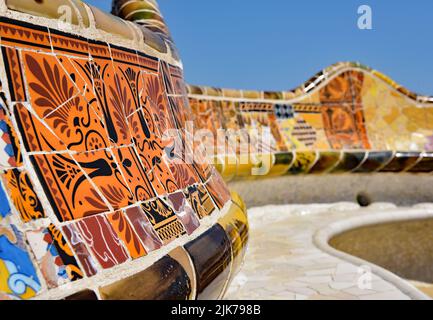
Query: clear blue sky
278	44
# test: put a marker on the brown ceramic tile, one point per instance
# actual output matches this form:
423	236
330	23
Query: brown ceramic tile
375	160
425	164
166	279
218	189
83	296
127	234
350	161
326	162
102	240
143	228
76	241
402	161
183	211
212	257
235	224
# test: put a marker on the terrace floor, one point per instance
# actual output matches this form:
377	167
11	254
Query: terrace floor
289	256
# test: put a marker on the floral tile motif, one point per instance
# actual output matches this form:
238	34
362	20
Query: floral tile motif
126	233
144	229
37	137
135	174
102	240
76	241
337	90
101	167
179	110
163	174
345	127
155	92
183	211
200	201
18	278
55	257
71	194
130	85
183	173
163	220
110	94
49	85
23	195
56	100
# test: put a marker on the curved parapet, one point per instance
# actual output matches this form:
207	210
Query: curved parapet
96	201
347	118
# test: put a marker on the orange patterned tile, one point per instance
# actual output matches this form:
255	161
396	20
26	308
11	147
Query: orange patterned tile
134	173
49	85
36	136
68	190
127	234
102	168
29	36
23	195
55	99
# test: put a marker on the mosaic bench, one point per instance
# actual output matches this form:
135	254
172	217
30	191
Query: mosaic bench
97	202
347	118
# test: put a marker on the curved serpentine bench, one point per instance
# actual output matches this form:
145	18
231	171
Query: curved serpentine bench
347	120
97	202
94	202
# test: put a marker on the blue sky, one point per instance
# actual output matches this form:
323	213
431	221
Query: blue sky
278	44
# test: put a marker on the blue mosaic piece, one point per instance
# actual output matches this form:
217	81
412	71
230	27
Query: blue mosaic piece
5	209
18	276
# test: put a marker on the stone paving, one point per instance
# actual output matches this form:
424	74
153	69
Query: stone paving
283	262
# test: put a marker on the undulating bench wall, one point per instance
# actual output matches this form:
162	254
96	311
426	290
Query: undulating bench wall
94	202
348	118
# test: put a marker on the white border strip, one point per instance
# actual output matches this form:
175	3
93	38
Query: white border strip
322	236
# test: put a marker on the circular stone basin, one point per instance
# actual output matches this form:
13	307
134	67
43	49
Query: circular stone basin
403	247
